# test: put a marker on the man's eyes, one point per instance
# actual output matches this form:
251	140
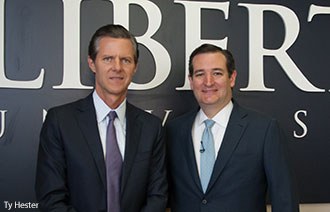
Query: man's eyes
126	60
107	59
216	73
199	74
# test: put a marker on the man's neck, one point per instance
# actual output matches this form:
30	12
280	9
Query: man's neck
212	110
113	101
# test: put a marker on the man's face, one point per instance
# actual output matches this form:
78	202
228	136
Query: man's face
114	67
210	82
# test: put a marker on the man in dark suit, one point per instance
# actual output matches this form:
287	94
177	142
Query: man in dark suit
223	157
90	161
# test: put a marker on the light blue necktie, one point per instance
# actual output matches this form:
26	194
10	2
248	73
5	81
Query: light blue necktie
207	155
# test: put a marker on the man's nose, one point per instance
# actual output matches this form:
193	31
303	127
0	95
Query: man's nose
117	64
208	80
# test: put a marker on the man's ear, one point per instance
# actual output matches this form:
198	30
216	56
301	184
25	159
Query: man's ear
191	82
91	64
233	78
136	67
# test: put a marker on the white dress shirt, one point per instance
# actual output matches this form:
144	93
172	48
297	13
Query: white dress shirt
102	111
218	130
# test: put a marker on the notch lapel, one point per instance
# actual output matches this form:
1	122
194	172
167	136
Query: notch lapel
86	118
188	149
133	133
235	129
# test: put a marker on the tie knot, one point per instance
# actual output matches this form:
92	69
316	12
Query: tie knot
112	115
209	123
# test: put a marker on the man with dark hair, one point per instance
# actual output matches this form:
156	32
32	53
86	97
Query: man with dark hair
101	153
223	157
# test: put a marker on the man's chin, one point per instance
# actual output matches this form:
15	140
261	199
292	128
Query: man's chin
209	101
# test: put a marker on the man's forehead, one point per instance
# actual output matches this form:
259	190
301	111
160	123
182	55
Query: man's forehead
214	61
110	38
210	54
109	43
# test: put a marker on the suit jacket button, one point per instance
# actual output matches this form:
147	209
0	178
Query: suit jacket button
204	201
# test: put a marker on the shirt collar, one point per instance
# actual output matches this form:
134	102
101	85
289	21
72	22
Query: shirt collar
102	109
221	118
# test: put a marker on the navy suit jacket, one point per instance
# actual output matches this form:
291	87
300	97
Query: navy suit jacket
71	173
251	159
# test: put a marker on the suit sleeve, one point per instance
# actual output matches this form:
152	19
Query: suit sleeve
157	186
51	189
281	185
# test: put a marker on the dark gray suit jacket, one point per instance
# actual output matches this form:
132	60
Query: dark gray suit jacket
71	173
252	158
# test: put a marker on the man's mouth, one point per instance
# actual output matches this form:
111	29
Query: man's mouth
116	78
209	90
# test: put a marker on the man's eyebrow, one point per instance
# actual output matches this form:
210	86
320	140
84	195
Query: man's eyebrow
217	69
213	69
199	70
127	56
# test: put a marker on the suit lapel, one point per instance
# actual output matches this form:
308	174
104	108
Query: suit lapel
234	131
133	133
188	149
86	118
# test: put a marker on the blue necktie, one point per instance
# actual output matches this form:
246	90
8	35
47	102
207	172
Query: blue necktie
207	156
113	165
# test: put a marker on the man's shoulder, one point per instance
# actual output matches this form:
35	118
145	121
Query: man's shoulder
69	107
141	114
251	114
179	121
